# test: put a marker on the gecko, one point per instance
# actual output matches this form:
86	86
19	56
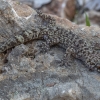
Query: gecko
46	28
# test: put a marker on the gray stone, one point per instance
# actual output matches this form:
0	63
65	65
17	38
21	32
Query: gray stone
29	74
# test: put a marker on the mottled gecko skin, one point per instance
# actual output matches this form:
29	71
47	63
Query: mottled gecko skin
45	27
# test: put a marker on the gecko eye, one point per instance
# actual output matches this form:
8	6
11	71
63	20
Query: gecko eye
95	67
98	67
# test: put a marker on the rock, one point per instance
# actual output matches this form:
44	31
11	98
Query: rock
31	75
61	8
70	9
26	2
34	3
22	9
56	7
42	77
14	15
39	3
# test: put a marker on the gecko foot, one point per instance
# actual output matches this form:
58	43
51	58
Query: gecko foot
66	61
44	47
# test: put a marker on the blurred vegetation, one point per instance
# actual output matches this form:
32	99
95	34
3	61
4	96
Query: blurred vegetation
87	20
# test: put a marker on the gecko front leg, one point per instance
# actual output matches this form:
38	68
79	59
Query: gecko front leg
68	57
44	47
49	41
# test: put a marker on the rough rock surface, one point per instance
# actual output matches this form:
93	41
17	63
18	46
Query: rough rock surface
61	8
27	74
34	3
70	9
